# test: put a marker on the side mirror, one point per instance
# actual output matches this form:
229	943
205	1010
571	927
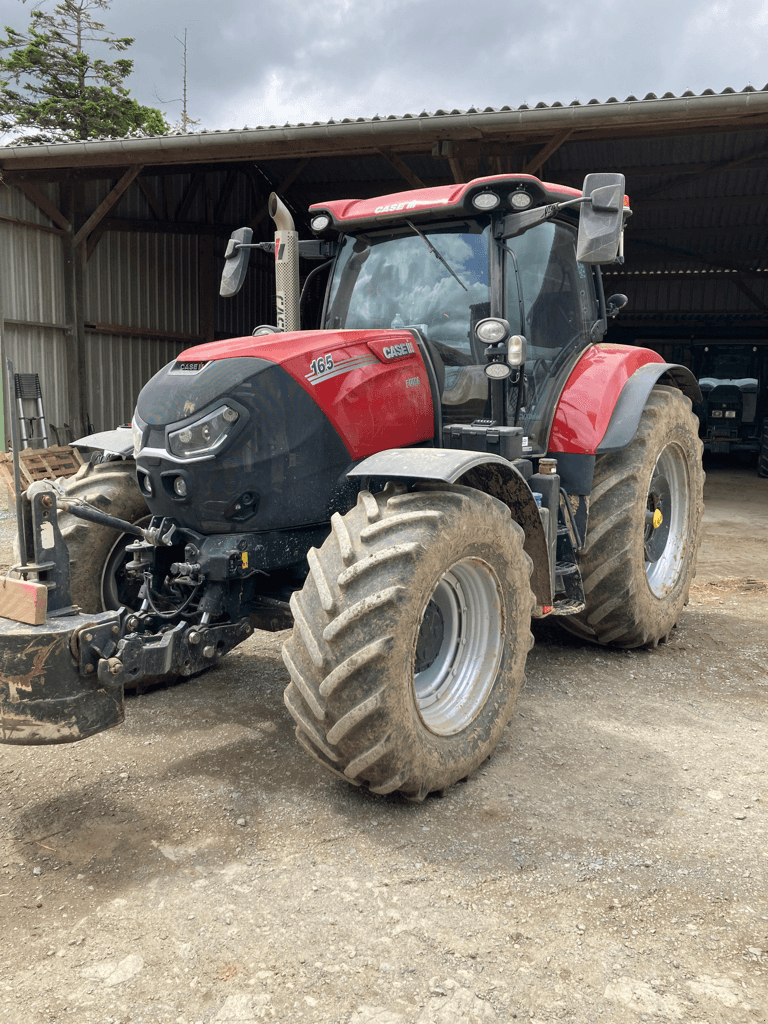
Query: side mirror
602	219
616	303
235	262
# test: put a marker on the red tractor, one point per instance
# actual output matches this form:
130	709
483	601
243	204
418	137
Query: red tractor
453	451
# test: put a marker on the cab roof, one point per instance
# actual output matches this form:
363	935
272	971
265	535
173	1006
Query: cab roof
440	201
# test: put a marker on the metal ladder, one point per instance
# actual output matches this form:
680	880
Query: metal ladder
28	390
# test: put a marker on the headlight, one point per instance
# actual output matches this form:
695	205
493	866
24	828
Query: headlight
716	413
137	433
204	436
730	414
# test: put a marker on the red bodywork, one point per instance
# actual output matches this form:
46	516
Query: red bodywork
374	389
590	395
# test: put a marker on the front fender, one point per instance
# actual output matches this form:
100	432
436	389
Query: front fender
483	471
591	394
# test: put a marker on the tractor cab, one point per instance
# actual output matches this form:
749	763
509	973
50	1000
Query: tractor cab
444	262
444	279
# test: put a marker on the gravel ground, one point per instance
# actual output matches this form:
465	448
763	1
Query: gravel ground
607	864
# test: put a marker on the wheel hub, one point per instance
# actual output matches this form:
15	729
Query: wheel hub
459	647
658	516
666	520
430	638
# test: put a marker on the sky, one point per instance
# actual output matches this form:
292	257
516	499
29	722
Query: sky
255	63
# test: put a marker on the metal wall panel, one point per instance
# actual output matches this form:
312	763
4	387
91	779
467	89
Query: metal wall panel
117	369
32	291
43	351
143	280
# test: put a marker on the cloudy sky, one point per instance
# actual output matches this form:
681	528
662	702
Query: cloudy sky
251	62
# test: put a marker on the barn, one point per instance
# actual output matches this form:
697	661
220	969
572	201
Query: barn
111	250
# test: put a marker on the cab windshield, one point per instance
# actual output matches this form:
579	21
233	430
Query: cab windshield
393	279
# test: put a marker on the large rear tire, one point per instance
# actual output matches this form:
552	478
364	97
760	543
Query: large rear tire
644	532
410	638
97	557
762	457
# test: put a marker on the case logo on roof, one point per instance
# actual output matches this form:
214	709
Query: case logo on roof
410	205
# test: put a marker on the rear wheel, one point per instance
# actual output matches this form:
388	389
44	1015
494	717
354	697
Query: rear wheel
644	529
97	555
410	638
762	458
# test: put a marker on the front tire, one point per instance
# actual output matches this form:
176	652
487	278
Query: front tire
643	532
97	557
410	638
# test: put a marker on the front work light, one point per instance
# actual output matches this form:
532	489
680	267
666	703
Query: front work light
204	436
520	200
320	222
492	330
485	201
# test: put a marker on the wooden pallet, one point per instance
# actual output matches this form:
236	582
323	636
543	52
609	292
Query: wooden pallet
40	464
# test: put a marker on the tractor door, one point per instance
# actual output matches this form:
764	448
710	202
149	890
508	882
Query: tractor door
553	296
394	278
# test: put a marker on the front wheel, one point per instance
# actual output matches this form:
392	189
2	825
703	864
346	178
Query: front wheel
643	531
97	554
410	638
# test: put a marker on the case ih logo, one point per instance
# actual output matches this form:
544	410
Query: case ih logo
411	205
405	348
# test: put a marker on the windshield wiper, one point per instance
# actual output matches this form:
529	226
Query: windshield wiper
434	252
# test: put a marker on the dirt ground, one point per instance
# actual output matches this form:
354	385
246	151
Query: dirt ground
609	862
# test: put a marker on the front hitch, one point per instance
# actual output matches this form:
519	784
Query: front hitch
44	695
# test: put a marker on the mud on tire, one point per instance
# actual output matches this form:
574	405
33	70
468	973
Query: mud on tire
636	579
410	638
96	553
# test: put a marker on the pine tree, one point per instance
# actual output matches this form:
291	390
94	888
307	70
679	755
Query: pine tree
61	92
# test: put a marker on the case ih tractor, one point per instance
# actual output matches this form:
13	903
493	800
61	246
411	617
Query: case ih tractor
453	451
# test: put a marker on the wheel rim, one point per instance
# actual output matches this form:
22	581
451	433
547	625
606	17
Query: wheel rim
118	589
459	647
666	516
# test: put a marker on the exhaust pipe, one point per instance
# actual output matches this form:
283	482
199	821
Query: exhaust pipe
286	266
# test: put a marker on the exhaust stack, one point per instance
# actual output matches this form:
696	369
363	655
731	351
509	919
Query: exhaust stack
286	266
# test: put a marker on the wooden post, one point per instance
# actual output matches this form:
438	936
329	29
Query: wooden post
72	203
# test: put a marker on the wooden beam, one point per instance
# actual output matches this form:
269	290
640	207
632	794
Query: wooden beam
189	195
226	192
280	189
402	168
107	204
537	162
31	224
456	170
717	168
94	238
141	332
170	206
42	202
149	195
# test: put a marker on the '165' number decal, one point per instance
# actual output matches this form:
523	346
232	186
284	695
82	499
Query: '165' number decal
323	364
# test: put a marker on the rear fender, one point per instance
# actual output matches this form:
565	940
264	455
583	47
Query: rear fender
483	471
601	404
